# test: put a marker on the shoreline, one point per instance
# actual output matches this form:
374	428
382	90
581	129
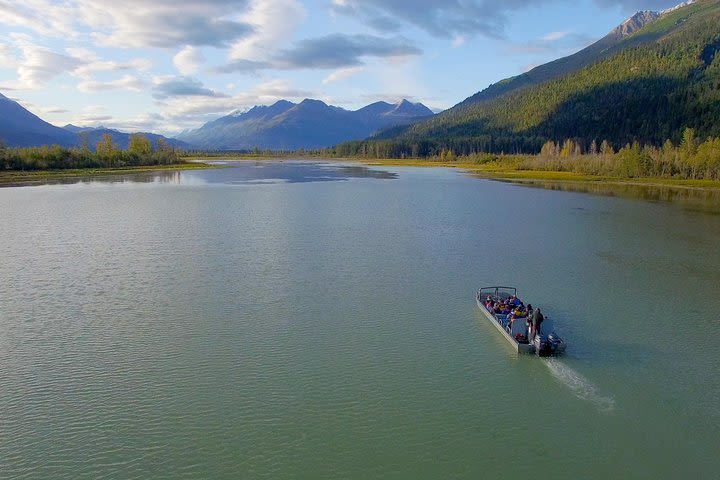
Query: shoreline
490	171
26	177
497	172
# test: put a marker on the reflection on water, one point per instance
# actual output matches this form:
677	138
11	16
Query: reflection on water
692	199
262	172
160	176
236	173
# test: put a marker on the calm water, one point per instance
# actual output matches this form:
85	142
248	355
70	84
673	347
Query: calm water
289	320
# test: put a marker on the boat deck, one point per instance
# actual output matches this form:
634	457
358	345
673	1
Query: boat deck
500	321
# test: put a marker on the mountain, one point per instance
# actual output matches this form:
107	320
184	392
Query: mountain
646	81
309	124
75	129
20	128
605	47
122	139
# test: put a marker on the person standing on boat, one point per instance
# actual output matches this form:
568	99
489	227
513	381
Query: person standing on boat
535	320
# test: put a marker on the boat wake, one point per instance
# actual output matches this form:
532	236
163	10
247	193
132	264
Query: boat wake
580	386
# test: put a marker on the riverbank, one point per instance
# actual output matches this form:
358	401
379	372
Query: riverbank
12	177
503	171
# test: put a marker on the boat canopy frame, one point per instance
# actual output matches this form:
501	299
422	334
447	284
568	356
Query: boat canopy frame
496	290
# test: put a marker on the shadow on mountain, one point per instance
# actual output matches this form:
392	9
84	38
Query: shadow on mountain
625	111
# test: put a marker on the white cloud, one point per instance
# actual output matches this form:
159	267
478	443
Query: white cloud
458	41
7	57
40	65
554	36
42	16
126	82
164	23
342	74
274	22
188	60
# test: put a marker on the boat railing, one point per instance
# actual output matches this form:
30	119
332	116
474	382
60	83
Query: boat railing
497	292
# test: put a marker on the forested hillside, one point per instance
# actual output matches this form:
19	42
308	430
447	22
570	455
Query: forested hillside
661	79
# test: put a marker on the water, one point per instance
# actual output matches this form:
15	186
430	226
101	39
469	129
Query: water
291	320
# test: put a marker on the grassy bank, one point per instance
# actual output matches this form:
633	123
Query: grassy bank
511	169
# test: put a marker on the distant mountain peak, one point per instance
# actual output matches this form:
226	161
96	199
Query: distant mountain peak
405	108
635	23
309	124
312	101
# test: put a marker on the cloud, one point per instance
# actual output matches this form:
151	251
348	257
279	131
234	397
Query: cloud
54	110
39	65
557	44
273	23
342	74
329	52
127	82
164	23
453	18
339	50
440	18
7	56
188	60
133	23
41	16
554	36
93	64
166	87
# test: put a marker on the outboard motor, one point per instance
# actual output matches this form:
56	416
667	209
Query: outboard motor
557	345
543	347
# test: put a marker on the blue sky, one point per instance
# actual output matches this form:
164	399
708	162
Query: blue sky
169	65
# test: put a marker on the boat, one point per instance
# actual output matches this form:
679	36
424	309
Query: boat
545	343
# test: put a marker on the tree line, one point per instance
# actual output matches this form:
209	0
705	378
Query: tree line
106	154
691	158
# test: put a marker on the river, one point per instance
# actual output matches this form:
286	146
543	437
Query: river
283	320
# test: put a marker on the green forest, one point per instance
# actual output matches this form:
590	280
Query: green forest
140	152
666	77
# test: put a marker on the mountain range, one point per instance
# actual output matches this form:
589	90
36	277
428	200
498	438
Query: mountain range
309	124
21	128
646	81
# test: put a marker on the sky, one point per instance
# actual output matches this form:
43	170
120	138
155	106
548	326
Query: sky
170	65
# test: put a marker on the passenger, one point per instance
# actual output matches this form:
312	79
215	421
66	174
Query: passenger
536	320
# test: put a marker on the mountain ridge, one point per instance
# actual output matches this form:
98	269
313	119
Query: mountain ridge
308	124
650	85
21	128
